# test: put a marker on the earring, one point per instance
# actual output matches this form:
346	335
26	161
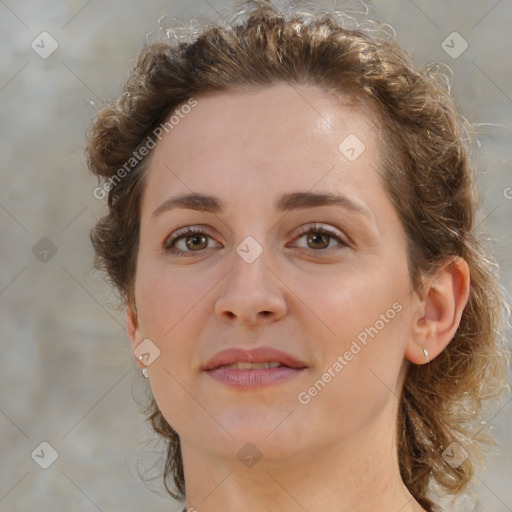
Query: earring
425	351
144	370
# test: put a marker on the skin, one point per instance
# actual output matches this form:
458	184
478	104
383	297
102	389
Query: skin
337	452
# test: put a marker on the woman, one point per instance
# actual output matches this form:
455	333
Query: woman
291	227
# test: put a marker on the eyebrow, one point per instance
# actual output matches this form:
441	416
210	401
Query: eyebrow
287	202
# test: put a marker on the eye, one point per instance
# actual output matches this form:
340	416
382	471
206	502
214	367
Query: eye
319	238
194	239
187	240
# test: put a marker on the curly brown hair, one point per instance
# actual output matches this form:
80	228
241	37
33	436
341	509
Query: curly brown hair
427	172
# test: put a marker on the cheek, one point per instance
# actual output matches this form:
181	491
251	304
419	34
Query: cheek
352	299
358	375
172	308
167	298
365	318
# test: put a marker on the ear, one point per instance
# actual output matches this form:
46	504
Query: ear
132	328
437	316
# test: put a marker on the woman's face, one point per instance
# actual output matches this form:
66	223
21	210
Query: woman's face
272	264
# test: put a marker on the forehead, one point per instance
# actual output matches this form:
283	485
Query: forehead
261	139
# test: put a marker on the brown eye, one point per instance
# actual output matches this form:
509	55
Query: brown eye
196	242
319	238
187	240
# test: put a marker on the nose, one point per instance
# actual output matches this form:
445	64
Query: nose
252	293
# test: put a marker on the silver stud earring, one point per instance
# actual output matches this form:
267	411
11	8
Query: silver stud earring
425	351
144	370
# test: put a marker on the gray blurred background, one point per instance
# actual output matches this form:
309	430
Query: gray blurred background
68	378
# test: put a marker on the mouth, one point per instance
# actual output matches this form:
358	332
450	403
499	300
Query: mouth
246	365
256	359
251	369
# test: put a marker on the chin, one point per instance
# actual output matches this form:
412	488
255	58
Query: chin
271	430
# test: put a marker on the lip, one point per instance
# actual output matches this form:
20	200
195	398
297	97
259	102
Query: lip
257	378
257	355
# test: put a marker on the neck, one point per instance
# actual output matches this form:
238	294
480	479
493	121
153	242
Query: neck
361	473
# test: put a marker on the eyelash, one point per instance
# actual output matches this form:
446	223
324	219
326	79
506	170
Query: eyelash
169	244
